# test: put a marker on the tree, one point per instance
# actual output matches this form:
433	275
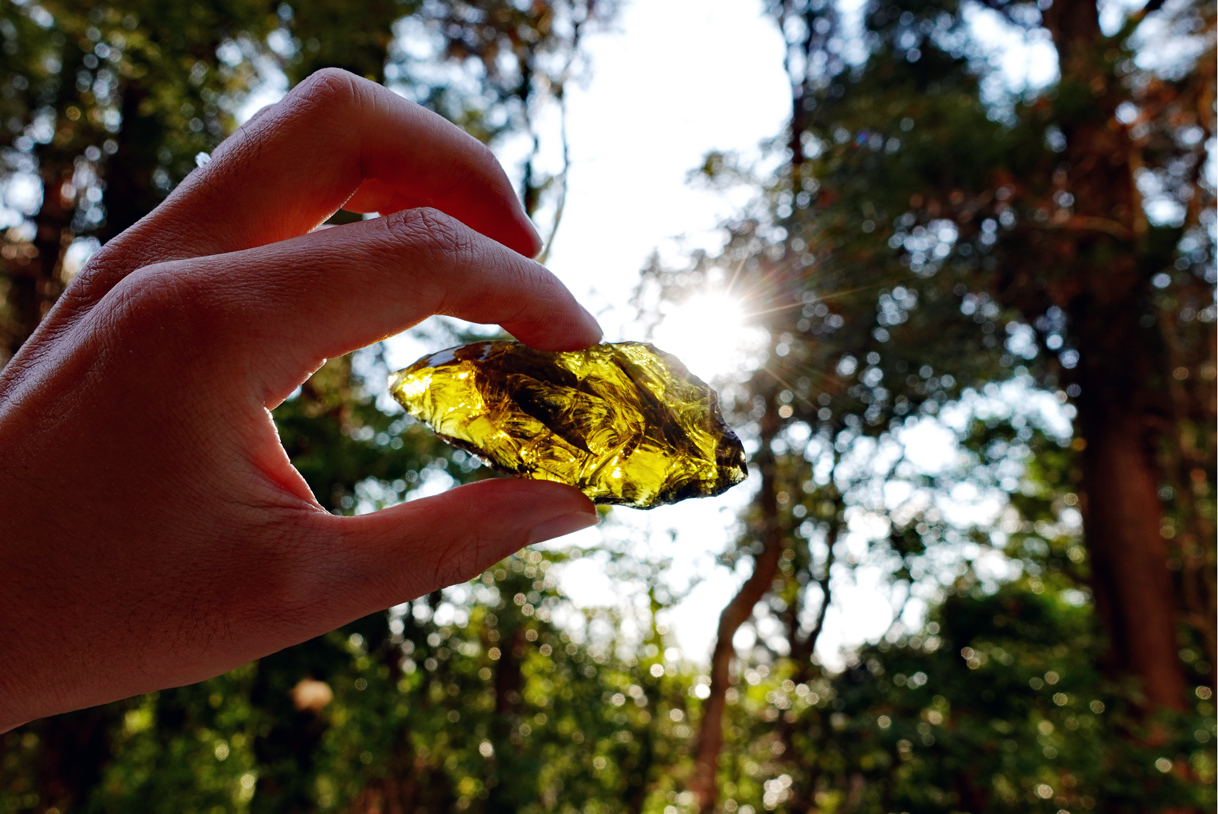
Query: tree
929	238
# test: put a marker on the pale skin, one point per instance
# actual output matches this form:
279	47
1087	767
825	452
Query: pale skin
154	533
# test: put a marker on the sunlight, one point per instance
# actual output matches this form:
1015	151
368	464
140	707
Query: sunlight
710	333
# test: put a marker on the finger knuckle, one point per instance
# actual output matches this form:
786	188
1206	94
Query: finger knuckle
140	302
329	88
434	237
162	307
98	276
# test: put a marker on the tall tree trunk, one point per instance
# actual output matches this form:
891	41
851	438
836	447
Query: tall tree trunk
737	612
803	646
509	705
1120	370
33	271
73	751
130	191
1121	522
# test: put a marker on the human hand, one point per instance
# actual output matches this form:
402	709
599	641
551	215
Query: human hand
154	532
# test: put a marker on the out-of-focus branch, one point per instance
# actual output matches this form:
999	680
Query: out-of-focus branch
561	178
808	642
560	96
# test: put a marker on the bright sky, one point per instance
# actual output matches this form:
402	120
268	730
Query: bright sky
672	81
677	79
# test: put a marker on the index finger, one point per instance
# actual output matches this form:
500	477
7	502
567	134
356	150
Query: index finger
335	138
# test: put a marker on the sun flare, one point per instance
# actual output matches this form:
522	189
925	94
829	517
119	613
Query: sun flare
710	333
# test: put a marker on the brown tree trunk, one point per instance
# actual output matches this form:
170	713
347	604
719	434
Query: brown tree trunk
1121	369
765	569
130	191
639	767
737	612
33	271
74	749
509	689
1130	578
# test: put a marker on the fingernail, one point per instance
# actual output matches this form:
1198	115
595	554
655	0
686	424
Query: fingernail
565	524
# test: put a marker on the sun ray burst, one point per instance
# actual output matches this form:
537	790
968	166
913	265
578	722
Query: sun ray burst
712	333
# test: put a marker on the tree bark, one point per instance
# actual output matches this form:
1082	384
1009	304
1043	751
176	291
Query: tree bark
34	282
765	569
1121	368
74	749
1121	521
130	192
737	612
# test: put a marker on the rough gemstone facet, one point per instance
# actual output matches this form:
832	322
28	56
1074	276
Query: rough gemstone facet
625	423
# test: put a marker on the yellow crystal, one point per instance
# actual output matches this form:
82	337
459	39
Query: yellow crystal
625	423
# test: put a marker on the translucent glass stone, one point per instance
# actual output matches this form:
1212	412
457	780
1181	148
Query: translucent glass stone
625	423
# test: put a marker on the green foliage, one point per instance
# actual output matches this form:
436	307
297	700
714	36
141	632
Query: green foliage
996	707
480	702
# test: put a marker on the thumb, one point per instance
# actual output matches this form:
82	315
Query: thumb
412	549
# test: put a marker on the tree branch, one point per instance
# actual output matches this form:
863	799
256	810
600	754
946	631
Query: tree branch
710	731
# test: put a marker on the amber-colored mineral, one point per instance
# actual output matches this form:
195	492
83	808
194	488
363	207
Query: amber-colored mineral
625	423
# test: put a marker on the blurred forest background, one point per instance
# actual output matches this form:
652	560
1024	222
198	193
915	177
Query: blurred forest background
928	245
